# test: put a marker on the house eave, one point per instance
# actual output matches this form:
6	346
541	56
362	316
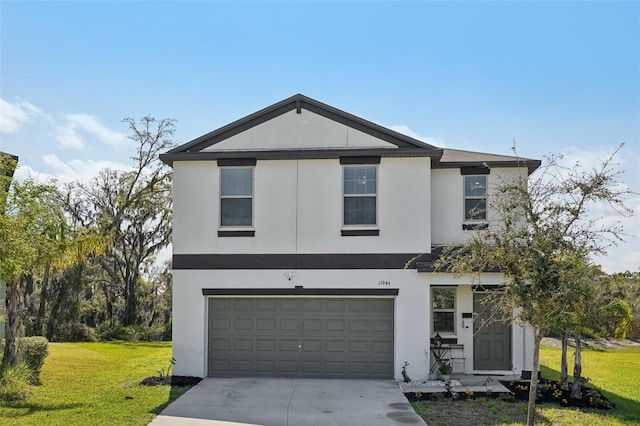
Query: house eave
311	154
530	164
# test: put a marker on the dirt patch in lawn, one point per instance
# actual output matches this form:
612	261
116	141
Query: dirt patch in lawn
179	381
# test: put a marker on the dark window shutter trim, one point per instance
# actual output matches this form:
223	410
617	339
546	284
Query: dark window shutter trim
236	233
236	162
360	160
465	171
360	232
474	226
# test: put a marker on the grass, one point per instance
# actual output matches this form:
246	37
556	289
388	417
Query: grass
615	372
95	384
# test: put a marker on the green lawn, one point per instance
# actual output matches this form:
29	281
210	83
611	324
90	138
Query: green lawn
95	384
616	372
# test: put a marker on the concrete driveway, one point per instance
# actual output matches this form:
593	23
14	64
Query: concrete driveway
290	402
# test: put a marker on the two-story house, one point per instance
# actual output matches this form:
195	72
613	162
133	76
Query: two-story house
293	229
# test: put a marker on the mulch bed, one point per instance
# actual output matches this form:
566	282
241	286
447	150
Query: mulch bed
179	381
548	392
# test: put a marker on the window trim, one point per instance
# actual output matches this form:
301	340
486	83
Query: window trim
375	196
221	197
465	198
434	310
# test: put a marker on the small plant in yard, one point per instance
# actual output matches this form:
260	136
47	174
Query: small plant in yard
33	351
445	369
14	382
405	375
162	373
449	390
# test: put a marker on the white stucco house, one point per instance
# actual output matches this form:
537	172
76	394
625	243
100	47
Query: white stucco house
292	229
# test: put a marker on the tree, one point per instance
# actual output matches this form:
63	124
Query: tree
34	237
135	206
540	223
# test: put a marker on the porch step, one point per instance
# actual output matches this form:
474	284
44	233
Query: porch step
458	384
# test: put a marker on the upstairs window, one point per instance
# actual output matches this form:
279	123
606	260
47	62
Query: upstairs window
475	197
444	306
236	196
359	189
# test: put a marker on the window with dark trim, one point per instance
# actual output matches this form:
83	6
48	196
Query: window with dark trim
360	193
443	302
475	197
236	196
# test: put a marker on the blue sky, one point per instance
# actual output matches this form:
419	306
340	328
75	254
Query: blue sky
553	76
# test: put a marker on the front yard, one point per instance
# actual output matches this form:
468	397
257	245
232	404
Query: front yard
96	384
616	372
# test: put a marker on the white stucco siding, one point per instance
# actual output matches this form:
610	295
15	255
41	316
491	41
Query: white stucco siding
306	130
411	335
297	208
521	337
195	206
447	192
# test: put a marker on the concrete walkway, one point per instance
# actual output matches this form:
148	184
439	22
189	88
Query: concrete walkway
290	402
461	384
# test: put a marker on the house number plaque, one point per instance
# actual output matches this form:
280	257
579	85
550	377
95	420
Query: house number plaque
384	282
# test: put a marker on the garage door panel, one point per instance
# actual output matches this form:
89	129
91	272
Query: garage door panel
381	326
289	325
334	325
288	345
312	346
243	325
309	337
220	324
243	305
265	345
267	305
266	324
312	326
336	305
242	345
334	346
382	346
358	346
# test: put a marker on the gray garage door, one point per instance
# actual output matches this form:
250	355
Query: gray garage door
307	337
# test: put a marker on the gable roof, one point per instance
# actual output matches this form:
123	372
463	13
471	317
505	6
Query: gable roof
406	145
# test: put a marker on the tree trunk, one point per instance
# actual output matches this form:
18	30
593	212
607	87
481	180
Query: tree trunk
12	326
564	370
130	308
576	386
55	311
39	322
533	387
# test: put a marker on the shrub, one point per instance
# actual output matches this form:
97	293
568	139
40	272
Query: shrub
33	351
119	332
14	382
77	332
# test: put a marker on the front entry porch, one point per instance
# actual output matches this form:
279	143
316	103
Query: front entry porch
462	383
